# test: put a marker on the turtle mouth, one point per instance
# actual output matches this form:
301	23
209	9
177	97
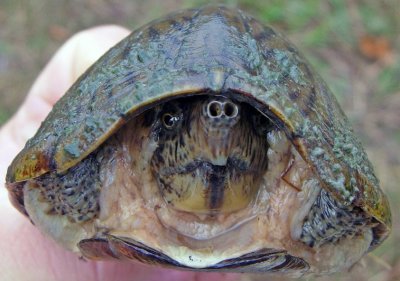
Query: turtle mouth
209	166
204	187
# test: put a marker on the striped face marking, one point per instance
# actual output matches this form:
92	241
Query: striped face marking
211	154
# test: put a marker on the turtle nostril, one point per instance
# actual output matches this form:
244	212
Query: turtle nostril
214	109
231	110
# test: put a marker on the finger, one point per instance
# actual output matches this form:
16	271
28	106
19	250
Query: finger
82	50
64	68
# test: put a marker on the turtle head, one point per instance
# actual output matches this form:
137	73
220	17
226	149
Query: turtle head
211	154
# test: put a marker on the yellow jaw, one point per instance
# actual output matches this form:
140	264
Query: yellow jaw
223	193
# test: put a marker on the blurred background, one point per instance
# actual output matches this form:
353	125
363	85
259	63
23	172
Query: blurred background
353	44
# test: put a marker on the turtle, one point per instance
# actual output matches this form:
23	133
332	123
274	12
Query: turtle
203	141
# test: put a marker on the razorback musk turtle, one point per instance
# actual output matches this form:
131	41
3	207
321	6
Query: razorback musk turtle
203	141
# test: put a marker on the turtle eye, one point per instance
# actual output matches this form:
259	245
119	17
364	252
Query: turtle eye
170	120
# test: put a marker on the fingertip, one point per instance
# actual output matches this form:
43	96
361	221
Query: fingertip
70	61
73	58
92	43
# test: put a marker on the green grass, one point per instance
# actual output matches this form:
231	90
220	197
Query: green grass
388	84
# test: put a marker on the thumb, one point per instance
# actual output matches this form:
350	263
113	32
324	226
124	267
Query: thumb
73	58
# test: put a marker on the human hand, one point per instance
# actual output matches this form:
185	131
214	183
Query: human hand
26	254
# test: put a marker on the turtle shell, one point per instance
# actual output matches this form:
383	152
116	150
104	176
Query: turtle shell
214	50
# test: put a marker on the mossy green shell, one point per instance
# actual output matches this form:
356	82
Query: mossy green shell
212	49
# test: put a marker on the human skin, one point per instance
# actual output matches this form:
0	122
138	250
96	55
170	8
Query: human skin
25	253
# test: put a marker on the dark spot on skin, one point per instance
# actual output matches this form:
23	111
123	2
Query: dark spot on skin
357	223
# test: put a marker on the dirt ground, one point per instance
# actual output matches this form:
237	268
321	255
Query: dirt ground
354	45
